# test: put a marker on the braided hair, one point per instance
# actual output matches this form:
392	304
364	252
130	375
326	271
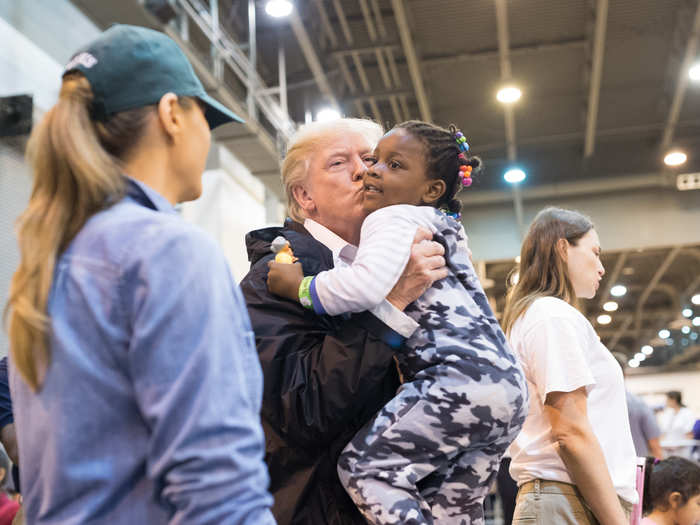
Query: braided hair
443	160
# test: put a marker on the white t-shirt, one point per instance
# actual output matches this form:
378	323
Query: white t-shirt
560	352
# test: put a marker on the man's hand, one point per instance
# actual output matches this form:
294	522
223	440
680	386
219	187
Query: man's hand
284	279
425	266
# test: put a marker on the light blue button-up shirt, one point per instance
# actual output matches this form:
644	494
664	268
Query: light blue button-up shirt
149	412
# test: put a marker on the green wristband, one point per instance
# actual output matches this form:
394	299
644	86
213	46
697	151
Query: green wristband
305	292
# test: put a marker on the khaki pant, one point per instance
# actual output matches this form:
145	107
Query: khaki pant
542	502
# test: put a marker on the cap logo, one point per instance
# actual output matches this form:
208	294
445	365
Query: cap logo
82	59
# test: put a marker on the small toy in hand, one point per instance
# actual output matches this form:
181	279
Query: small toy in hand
281	247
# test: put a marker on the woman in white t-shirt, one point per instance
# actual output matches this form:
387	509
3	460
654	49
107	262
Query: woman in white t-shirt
676	424
574	460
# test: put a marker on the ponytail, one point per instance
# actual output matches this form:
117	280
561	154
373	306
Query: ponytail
77	168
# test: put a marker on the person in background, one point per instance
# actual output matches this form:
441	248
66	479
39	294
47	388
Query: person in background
645	429
672	492
135	383
8	507
574	461
325	376
676	423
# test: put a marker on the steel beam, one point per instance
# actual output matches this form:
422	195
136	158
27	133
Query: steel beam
568	189
489	54
601	20
411	59
682	83
311	57
658	275
508	113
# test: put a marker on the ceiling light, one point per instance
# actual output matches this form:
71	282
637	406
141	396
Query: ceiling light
669	342
278	8
694	72
664	334
618	290
696	321
604	319
326	114
687	312
517	259
675	158
610	306
514	175
647	349
514	278
695	299
640	356
633	363
685	329
509	94
694	336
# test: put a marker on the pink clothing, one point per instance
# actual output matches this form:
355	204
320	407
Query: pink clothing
8	509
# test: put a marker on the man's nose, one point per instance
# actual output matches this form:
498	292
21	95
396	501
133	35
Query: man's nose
359	170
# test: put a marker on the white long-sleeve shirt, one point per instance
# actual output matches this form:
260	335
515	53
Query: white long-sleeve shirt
385	247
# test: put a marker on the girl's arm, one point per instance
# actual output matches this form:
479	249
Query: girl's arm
385	247
580	451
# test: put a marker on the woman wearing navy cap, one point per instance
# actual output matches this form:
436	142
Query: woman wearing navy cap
134	376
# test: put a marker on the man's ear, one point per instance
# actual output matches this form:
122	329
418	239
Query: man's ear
563	248
170	115
433	191
304	199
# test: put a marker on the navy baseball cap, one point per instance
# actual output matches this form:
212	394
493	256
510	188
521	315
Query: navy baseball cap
130	67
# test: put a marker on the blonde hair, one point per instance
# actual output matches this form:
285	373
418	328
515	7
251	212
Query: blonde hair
542	270
308	141
77	172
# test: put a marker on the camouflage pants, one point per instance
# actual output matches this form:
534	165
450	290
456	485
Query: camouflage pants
430	455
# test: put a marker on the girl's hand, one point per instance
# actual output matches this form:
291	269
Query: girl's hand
284	279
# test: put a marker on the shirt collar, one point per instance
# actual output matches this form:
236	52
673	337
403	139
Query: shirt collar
340	248
147	196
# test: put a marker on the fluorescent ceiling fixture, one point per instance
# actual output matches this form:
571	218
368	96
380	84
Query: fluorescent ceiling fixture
647	349
687	312
514	175
633	363
664	334
675	158
695	299
604	319
327	114
685	329
640	356
618	290
517	259
278	8
694	72
696	321
509	94
610	306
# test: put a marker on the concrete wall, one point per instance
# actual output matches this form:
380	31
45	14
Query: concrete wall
642	218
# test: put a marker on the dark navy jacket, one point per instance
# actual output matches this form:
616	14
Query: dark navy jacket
324	378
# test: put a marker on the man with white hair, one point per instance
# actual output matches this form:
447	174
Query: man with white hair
325	377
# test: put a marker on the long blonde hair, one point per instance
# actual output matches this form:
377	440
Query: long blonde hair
76	163
542	271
